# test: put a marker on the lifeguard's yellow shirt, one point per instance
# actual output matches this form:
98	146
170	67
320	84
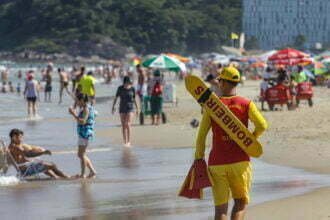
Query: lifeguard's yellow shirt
224	149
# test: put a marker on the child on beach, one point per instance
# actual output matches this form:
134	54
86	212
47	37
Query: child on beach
229	165
18	88
85	128
31	92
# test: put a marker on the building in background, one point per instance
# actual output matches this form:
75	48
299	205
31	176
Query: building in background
278	23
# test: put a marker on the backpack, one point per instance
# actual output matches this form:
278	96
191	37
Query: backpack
157	90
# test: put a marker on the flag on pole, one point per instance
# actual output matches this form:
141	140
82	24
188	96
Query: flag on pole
234	36
242	41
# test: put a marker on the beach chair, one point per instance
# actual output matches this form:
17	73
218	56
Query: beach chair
3	158
7	158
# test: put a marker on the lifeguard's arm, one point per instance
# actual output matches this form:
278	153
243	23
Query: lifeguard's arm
204	128
258	120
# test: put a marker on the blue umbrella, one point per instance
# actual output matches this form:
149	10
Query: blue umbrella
309	74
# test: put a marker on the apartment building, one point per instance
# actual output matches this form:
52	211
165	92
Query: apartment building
276	23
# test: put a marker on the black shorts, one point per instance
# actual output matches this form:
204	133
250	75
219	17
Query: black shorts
65	84
31	99
48	88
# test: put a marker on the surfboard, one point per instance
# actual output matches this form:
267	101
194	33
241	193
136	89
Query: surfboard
222	115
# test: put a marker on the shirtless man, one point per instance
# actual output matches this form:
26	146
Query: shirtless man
21	152
4	76
64	82
142	83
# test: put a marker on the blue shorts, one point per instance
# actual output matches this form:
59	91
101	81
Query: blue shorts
35	168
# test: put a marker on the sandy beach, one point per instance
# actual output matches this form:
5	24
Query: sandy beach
295	138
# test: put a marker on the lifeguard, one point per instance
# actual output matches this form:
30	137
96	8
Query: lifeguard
228	164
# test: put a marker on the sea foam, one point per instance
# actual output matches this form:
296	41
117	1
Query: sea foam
8	180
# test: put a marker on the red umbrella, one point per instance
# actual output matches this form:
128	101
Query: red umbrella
289	57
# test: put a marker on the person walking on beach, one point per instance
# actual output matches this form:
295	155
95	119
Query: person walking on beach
73	74
142	83
31	93
64	83
85	129
126	93
87	84
48	86
229	165
156	97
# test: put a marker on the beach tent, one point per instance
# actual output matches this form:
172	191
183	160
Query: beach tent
266	55
232	50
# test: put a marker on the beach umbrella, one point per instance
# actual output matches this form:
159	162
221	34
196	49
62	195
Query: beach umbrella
325	54
290	57
164	62
2	68
309	74
258	64
320	68
181	58
326	61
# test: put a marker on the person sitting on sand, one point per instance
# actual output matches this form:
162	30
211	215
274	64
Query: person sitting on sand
22	152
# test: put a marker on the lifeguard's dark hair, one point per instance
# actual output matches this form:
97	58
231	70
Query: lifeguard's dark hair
15	132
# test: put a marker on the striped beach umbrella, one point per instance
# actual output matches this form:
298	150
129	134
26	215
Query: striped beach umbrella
164	62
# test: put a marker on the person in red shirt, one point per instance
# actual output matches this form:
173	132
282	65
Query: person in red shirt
229	165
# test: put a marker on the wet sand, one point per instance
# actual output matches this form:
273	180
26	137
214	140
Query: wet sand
313	205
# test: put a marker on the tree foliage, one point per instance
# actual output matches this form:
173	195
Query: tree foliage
149	26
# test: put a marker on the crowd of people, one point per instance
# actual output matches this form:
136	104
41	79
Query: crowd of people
82	92
286	79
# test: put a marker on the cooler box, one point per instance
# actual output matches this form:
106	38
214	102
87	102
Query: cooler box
169	94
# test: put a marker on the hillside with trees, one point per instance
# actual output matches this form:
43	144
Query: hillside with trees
109	27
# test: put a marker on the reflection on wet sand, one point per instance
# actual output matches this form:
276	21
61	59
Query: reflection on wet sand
31	123
87	202
136	183
128	159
